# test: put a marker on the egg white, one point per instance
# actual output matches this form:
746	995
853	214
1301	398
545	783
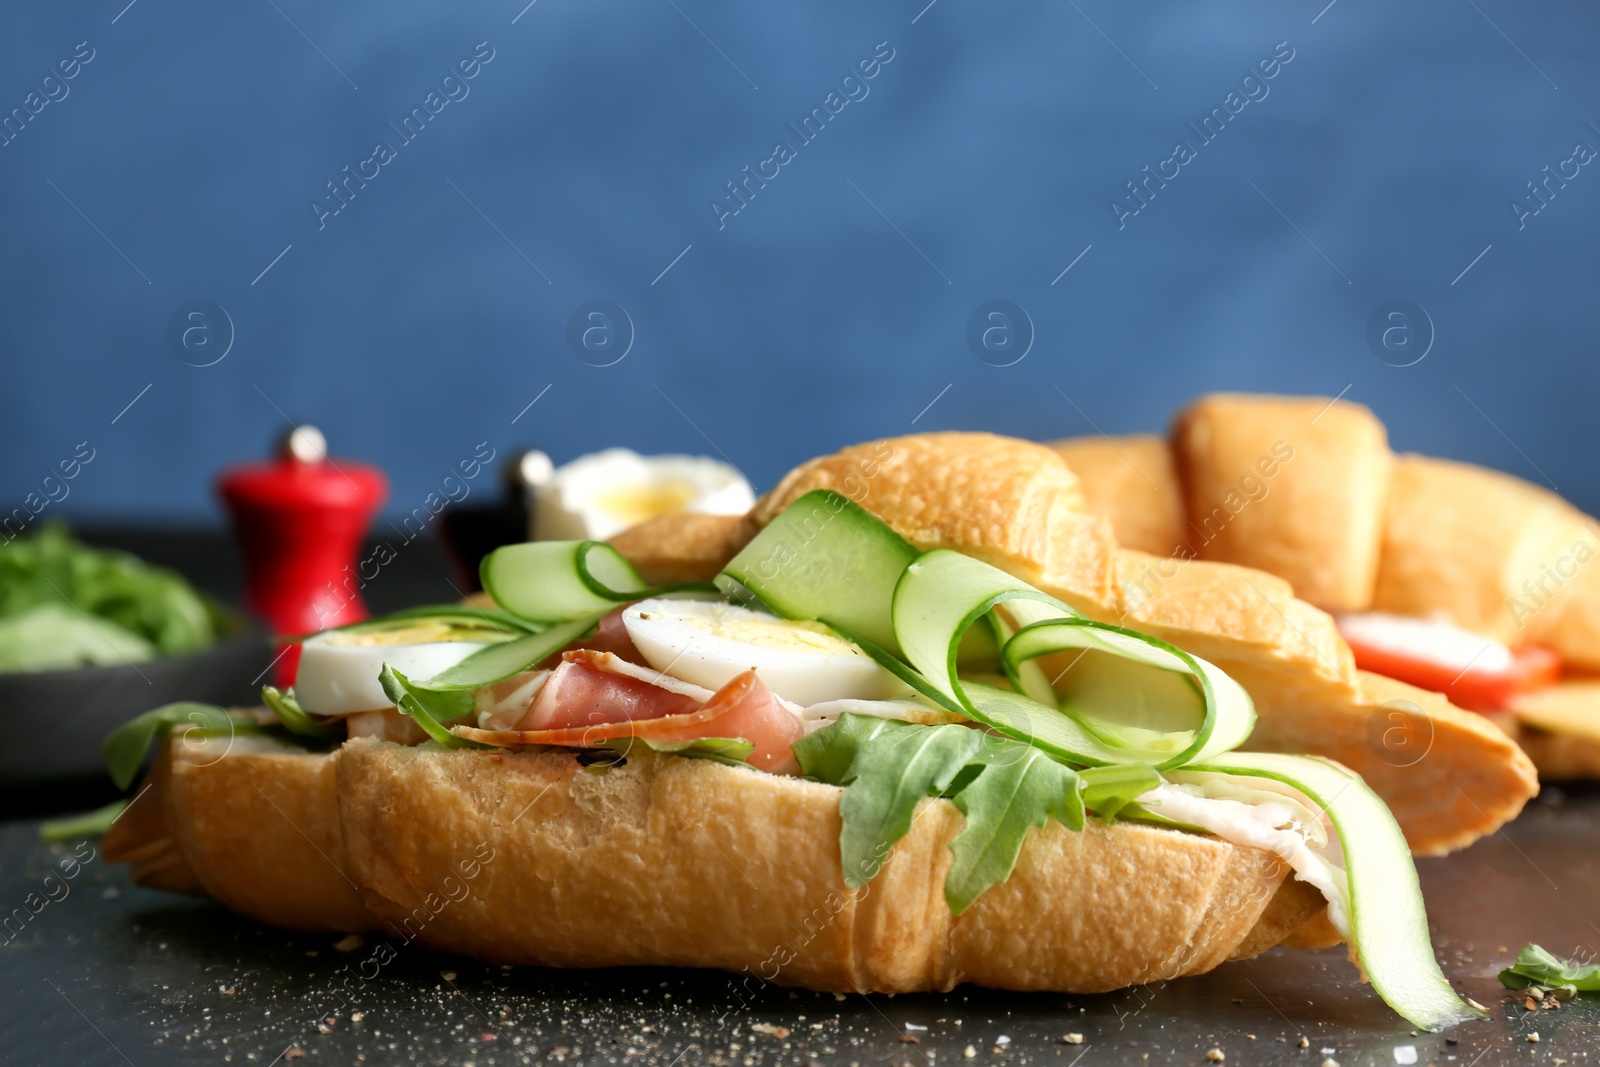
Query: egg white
338	673
710	643
599	495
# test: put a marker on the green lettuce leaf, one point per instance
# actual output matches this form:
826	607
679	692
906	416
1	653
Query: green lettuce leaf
294	718
150	610
53	637
1535	966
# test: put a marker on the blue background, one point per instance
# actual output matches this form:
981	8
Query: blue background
834	307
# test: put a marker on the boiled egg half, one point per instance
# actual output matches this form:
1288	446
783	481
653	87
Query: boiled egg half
598	496
710	643
339	669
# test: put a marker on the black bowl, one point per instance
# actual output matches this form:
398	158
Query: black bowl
55	720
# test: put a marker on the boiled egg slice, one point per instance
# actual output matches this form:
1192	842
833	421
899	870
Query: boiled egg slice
339	669
598	496
710	643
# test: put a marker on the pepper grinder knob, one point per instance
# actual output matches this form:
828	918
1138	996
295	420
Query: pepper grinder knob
300	521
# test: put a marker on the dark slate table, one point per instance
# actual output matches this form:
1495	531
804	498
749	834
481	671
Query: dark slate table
106	973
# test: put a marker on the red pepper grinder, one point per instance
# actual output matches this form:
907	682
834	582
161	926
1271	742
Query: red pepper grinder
301	520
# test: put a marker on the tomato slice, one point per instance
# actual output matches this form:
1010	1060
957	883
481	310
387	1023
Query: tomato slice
1475	688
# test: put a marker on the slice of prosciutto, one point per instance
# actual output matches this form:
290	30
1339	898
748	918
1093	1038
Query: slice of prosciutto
595	697
592	688
610	636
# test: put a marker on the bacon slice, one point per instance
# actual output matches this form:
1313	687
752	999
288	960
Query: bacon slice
607	706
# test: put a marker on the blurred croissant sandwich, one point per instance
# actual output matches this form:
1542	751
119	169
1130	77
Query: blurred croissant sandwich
894	726
1451	577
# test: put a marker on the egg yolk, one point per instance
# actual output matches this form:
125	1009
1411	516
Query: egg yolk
635	503
799	635
425	634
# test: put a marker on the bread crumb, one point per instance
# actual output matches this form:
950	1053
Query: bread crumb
970	1053
1073	1038
1305	1042
1216	1055
1330	1062
294	1052
349	943
448	976
1533	1038
779	1032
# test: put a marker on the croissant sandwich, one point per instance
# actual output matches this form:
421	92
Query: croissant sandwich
1454	578
882	722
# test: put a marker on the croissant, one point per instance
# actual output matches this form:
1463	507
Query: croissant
527	858
551	850
1017	505
1308	490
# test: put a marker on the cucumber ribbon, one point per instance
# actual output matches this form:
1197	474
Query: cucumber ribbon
825	558
1089	693
553	592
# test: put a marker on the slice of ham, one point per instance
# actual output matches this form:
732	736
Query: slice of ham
602	703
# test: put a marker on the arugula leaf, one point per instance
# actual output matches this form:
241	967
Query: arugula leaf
827	754
730	750
1019	787
429	708
125	747
893	766
1535	966
294	718
90	824
1109	790
1002	786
